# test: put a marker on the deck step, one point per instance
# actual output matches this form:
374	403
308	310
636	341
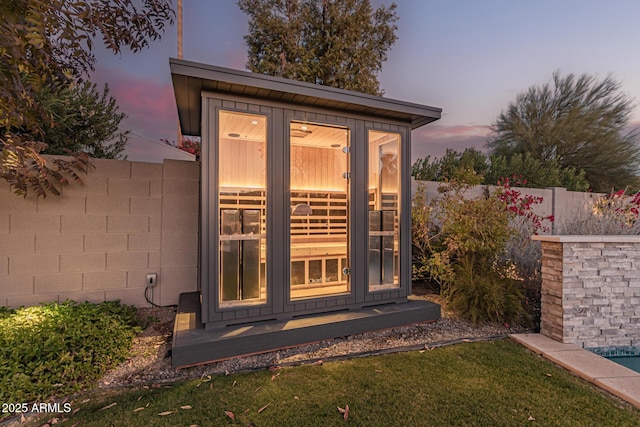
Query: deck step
194	345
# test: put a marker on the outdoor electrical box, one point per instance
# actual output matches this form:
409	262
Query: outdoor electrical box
152	279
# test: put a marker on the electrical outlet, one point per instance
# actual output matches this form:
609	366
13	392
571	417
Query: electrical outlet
152	279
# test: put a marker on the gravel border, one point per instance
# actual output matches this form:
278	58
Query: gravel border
150	361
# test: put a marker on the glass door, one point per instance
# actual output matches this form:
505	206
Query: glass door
242	199
319	221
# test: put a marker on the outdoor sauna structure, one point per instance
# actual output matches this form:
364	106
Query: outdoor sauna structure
305	229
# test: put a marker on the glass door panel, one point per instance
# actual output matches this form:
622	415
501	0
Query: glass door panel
384	210
319	194
242	200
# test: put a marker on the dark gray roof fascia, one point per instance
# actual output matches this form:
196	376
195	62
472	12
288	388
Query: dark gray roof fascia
190	76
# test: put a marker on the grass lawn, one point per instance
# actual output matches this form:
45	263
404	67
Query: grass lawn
497	383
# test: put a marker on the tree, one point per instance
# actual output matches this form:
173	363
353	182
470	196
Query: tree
45	46
473	167
468	166
84	120
534	173
578	122
339	43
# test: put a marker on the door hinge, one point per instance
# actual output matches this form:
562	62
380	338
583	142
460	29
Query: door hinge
346	175
346	150
346	271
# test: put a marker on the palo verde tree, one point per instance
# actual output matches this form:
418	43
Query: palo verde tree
84	120
46	45
577	122
339	43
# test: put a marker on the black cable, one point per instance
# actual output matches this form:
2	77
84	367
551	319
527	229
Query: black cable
146	296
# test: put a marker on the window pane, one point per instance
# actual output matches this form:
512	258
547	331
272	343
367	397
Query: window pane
242	171
384	211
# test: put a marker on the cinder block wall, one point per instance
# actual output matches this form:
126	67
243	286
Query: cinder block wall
557	201
99	240
591	290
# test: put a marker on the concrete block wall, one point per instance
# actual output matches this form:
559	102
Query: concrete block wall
557	201
591	290
98	241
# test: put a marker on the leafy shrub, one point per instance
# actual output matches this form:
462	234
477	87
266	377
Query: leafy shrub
612	214
425	238
477	250
541	174
471	163
522	253
56	349
482	293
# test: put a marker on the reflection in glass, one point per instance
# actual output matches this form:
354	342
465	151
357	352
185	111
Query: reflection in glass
384	212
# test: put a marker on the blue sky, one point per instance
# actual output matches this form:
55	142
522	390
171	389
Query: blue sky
470	58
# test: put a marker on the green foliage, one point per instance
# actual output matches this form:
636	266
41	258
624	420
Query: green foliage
339	43
473	167
5	312
475	250
472	226
85	120
469	166
45	45
480	292
538	174
425	238
56	349
577	122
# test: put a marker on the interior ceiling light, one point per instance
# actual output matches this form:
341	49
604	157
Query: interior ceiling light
300	133
254	122
234	135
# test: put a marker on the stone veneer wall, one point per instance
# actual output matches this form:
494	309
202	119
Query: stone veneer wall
591	290
98	241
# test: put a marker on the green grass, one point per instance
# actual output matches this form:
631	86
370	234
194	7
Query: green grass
497	383
57	349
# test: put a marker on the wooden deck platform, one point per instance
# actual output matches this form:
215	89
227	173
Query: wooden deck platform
193	344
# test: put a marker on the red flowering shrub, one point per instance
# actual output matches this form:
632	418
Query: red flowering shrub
522	205
479	250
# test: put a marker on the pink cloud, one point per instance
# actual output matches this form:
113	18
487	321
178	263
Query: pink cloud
434	140
148	102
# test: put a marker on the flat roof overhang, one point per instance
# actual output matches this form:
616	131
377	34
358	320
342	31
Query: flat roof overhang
191	79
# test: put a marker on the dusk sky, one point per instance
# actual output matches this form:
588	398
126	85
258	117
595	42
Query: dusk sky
470	58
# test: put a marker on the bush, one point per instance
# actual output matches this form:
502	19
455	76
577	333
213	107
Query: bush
482	293
613	214
56	349
479	251
425	238
525	255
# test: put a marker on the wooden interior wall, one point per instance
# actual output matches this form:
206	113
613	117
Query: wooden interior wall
318	169
242	163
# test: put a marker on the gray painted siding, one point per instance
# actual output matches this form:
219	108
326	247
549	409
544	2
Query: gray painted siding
278	269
